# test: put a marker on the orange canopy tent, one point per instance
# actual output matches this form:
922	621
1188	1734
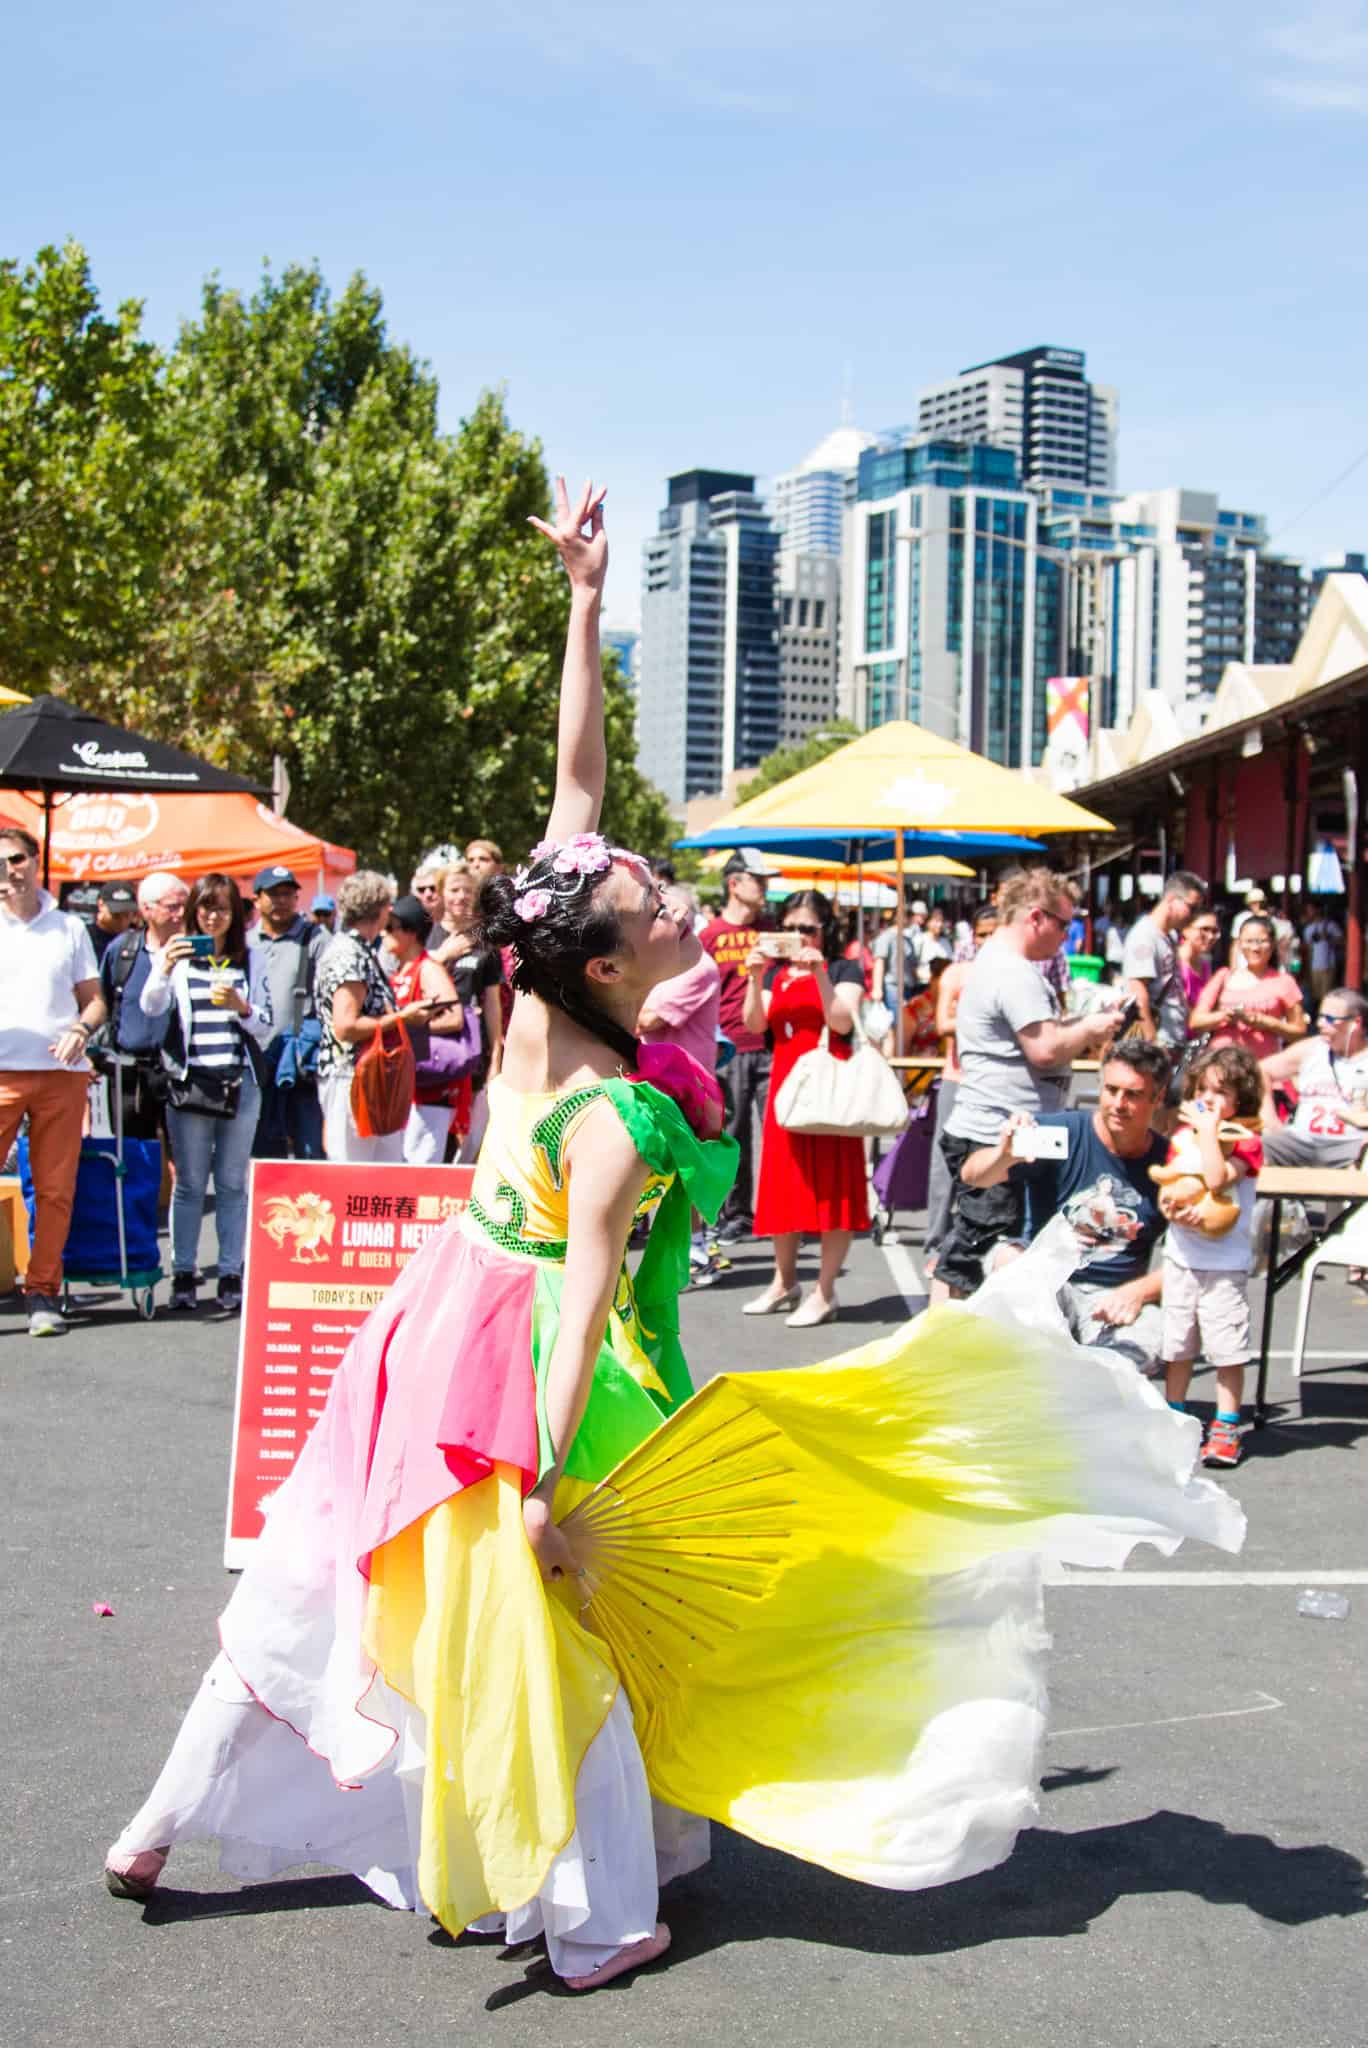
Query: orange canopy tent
126	833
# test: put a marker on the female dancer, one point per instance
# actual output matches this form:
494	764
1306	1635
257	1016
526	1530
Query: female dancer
407	1688
514	1353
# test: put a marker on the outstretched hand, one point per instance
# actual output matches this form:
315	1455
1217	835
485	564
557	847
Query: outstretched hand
585	555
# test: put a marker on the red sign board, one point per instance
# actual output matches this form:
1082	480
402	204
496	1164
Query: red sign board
325	1242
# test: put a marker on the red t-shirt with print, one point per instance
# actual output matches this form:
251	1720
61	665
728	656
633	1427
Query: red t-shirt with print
730	945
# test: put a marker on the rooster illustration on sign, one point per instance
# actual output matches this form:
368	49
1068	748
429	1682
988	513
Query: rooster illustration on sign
307	1219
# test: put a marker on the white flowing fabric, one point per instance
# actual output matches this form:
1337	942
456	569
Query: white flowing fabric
952	1807
237	1775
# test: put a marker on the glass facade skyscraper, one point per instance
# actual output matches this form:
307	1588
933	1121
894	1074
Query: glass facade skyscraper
708	662
941	583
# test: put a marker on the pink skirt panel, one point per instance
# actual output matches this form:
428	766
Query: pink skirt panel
436	1387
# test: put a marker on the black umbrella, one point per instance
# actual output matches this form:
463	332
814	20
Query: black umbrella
49	745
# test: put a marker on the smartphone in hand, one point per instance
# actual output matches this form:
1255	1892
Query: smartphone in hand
201	946
1040	1141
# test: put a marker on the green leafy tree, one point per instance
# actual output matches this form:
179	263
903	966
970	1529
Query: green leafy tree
786	761
346	586
82	501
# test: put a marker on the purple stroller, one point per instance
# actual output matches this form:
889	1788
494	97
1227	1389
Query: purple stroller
900	1178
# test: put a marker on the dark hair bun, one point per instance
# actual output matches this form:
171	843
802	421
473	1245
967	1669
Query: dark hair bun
500	924
552	950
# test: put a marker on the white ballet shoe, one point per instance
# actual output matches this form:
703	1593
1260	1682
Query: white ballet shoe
773	1304
813	1312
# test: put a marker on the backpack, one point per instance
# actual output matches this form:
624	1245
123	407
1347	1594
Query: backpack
127	1028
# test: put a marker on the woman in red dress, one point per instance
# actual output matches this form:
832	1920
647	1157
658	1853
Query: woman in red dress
806	1183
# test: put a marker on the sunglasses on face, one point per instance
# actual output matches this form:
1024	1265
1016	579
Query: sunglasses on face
1334	1022
809	931
15	860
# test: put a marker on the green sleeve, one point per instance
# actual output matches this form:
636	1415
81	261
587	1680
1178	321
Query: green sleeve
701	1173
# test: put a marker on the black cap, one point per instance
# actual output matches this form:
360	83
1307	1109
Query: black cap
275	878
409	913
118	896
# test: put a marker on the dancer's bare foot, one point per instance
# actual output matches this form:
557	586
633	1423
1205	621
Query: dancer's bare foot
630	1958
135	1877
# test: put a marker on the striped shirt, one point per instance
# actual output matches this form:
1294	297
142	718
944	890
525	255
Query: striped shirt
215	1029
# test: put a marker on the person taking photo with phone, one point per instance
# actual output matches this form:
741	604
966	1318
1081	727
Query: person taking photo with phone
795	990
219	997
1094	1168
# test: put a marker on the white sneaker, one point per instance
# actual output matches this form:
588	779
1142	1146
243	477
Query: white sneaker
45	1317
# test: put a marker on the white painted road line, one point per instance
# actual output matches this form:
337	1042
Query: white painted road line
1075	1575
906	1277
1268	1705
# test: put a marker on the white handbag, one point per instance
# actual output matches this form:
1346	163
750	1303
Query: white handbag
856	1098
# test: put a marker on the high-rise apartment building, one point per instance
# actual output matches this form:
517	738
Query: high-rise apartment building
951	618
708	691
810	501
809	593
1041	405
965	590
809	511
1180	587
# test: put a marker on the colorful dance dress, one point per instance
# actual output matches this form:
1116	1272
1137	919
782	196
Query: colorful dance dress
401	1696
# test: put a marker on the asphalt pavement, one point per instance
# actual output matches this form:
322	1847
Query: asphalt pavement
1197	1878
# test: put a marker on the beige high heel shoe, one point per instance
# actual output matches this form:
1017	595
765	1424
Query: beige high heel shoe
811	1315
773	1304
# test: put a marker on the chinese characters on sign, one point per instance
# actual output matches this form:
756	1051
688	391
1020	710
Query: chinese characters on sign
325	1243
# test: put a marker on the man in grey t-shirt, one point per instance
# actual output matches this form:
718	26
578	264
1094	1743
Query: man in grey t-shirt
1150	967
1015	1052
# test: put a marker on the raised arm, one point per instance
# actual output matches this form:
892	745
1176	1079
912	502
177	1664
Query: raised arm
581	757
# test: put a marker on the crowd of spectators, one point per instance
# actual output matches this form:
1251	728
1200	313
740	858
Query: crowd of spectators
232	1024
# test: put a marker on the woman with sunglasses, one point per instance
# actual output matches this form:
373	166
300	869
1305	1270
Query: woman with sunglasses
222	1005
1257	1005
807	1183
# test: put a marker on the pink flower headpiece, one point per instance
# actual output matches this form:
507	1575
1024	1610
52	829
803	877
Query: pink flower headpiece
577	859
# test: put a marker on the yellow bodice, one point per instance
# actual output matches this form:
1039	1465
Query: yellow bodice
521	1197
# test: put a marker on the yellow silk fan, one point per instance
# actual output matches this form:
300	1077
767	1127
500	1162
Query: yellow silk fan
764	1560
687	1535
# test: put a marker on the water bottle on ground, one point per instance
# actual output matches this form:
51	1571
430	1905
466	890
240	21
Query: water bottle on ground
1324	1605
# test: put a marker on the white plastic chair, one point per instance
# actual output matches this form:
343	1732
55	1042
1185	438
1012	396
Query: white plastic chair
1347	1246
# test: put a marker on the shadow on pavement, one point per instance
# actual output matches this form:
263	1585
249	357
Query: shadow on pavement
1055	1883
1331	1415
167	1906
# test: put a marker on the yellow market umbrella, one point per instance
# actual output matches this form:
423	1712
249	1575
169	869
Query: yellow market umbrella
8	696
796	867
899	778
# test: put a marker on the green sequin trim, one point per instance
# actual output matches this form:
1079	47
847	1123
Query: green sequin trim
548	1133
508	1236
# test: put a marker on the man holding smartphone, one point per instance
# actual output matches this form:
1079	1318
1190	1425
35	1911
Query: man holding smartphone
1095	1170
1015	1053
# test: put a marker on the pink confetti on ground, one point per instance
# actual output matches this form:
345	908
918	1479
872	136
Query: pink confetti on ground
101	1607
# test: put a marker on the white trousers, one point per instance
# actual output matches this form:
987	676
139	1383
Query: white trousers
237	1774
341	1139
425	1133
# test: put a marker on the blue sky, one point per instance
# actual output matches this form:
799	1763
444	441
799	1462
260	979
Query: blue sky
675	234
